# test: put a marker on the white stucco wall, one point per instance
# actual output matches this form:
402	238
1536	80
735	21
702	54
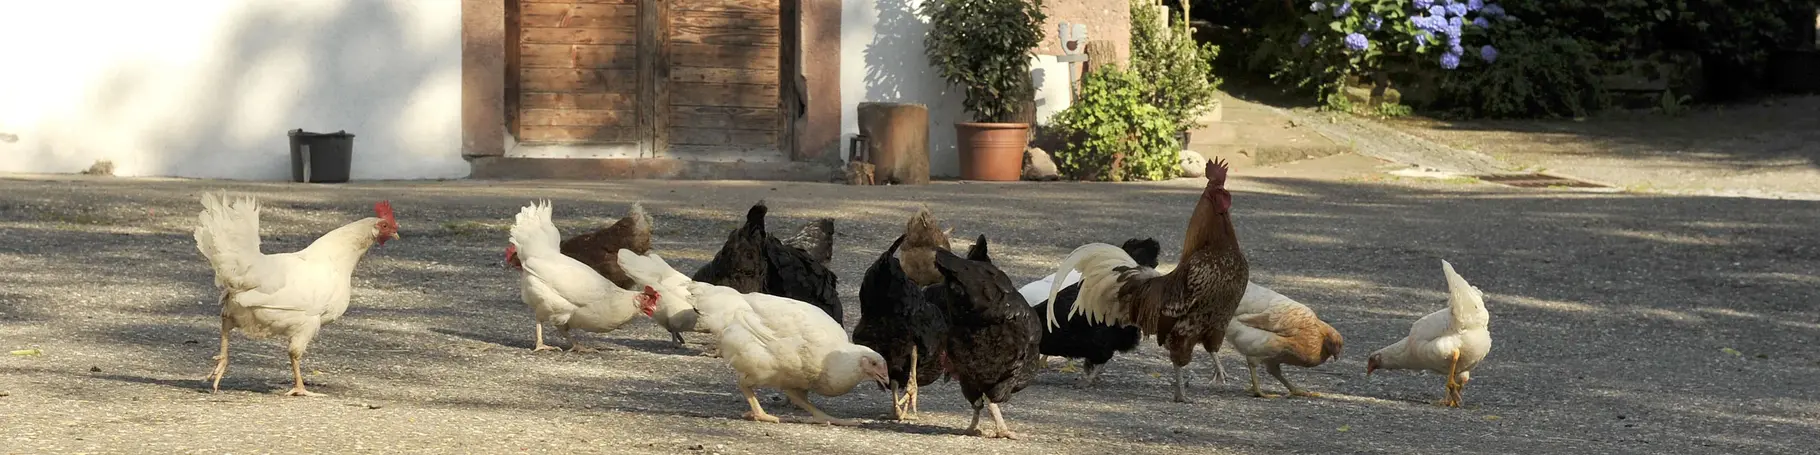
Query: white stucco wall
208	88
882	60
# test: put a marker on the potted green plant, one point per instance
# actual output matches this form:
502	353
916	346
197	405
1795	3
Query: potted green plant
985	46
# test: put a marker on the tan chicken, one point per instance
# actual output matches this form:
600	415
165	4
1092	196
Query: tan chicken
1451	341
922	236
1273	330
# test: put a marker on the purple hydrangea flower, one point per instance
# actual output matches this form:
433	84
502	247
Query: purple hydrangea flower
1455	49
1488	53
1450	60
1453	41
1316	7
1492	10
1455	23
1423	4
1480	22
1373	22
1357	42
1431	23
1456	9
1453	30
1437	10
1343	9
1304	40
1474	5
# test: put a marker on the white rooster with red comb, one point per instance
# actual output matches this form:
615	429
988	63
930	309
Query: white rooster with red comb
289	295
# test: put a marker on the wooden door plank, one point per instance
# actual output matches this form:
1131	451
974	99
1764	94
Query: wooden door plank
729	20
590	101
723	75
576	15
724	95
625	36
572	134
577	56
576	117
722	56
723	117
653	76
580	81
745	6
726	137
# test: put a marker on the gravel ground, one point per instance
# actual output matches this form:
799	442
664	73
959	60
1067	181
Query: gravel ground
1624	323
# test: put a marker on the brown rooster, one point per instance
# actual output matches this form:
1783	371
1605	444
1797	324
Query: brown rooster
600	249
1191	304
922	236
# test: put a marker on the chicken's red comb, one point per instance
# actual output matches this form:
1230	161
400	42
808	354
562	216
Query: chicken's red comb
1216	172
384	209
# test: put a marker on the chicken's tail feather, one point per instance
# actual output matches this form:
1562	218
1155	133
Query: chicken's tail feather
1100	266
534	233
1465	302
227	233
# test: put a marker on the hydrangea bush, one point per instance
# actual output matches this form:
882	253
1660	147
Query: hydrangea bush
1344	39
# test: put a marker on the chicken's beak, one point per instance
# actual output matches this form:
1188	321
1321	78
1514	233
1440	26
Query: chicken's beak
883	382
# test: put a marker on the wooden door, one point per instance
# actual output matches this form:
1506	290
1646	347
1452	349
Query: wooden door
577	81
725	68
686	79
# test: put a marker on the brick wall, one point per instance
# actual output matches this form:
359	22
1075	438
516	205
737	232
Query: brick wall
1105	19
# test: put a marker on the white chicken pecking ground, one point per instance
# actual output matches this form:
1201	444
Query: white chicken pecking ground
1451	341
290	295
773	342
564	292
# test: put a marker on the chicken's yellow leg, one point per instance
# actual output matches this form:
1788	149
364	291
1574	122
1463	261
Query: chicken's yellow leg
1277	371
1003	431
975	427
910	387
1251	365
540	346
898	403
801	398
757	414
297	372
1453	370
221	360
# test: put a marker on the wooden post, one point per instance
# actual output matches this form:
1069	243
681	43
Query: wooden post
1099	53
897	141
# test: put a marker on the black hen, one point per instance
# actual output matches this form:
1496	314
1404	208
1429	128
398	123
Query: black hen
993	339
754	261
1077	338
896	320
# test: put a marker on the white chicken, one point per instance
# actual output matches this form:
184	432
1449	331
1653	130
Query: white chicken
564	292
674	312
1270	329
773	342
1451	341
290	295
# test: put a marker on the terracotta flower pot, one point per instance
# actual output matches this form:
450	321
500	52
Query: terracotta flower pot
992	151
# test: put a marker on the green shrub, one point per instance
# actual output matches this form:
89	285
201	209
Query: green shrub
1180	72
1114	133
1536	76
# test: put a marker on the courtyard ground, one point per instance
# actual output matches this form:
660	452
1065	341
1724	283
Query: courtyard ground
1623	323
